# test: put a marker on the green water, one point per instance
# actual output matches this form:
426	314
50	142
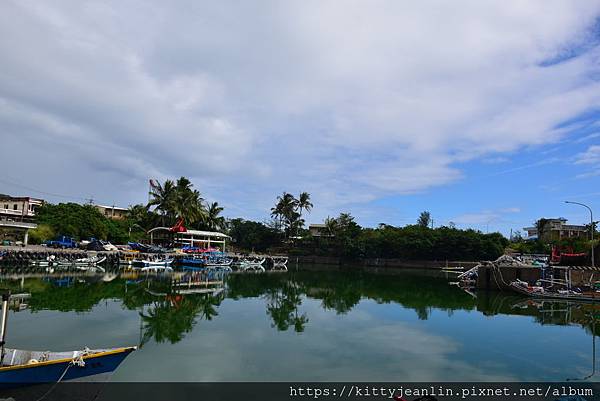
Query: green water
308	326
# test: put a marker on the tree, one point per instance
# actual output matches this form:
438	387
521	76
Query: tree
177	201
304	203
288	212
331	225
213	220
424	219
41	234
163	200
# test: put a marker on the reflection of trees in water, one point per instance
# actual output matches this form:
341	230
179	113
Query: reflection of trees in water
170	318
282	307
284	294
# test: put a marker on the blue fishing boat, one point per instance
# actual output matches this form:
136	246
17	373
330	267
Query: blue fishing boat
27	367
21	367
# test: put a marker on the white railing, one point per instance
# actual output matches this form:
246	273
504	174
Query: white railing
13	212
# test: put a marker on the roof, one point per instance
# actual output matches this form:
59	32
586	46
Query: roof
318	225
19	198
198	233
112	207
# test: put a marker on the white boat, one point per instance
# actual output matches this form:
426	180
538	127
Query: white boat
252	264
280	262
83	262
150	263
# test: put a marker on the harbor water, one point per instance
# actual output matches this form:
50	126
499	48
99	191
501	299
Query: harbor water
305	326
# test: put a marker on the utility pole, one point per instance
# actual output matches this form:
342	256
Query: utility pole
591	225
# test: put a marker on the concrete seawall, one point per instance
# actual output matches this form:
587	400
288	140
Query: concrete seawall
375	264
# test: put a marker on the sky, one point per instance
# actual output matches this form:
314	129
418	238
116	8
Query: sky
486	114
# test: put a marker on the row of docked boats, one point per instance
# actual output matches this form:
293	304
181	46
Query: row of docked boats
80	263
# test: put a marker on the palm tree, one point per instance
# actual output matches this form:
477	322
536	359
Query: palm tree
178	201
285	206
213	220
304	202
331	224
163	198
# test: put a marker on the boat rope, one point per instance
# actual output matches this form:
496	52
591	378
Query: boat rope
75	361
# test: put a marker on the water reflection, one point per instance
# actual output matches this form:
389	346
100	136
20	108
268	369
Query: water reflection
173	304
358	320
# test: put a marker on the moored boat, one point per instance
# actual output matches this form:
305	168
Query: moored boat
21	367
566	293
27	367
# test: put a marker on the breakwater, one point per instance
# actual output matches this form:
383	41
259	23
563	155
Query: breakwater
14	256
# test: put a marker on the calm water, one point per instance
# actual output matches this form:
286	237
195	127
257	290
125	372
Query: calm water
308	326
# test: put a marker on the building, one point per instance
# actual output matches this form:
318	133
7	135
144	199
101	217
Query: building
556	229
193	238
319	230
112	212
22	208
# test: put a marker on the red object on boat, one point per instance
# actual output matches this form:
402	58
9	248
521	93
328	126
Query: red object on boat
568	257
179	227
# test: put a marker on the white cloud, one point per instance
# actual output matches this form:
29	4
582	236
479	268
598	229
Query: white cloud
590	156
350	103
485	216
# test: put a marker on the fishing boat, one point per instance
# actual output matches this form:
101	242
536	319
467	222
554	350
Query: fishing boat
21	367
157	263
279	262
252	263
556	293
82	262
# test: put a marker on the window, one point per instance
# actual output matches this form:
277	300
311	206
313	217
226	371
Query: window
6	205
15	207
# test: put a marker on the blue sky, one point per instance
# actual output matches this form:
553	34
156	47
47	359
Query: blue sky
485	114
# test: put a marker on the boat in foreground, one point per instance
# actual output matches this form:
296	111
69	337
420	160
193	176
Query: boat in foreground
27	367
21	367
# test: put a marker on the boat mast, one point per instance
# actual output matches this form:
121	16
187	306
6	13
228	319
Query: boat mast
5	298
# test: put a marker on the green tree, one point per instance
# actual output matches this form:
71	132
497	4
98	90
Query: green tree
163	200
424	219
213	220
177	200
41	234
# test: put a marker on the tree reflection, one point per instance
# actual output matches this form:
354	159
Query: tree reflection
171	318
282	307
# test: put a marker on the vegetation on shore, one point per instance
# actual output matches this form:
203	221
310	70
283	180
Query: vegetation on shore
178	201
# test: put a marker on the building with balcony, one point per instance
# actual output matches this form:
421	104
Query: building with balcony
20	208
556	229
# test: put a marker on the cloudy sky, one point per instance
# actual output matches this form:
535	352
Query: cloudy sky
485	113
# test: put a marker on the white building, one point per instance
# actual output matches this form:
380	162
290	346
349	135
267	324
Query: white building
19	208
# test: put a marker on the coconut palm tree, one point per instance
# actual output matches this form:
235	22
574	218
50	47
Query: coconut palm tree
163	199
304	203
331	224
213	220
178	201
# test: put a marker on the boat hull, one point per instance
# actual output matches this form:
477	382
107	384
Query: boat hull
96	367
555	296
